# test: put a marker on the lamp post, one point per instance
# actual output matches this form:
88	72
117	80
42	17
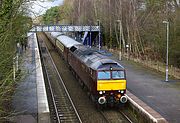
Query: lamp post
99	43
120	31
167	47
127	49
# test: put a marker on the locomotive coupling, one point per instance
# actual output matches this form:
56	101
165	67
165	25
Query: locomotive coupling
102	100
123	99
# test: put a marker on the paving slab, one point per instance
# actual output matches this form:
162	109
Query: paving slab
25	98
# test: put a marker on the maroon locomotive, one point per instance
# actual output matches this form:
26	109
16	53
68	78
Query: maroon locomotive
104	78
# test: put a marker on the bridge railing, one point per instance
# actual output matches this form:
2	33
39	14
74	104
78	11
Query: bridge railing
64	28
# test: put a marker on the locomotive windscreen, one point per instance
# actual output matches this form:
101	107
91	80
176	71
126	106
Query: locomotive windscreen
115	74
118	74
104	75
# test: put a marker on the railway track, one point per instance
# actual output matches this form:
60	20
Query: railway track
61	105
114	116
126	117
87	110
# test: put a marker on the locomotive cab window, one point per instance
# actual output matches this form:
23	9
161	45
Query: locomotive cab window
104	75
118	75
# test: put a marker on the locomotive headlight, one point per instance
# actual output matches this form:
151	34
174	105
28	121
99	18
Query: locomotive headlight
119	91
119	95
122	92
100	92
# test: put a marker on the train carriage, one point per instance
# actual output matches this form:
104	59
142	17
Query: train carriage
64	43
53	37
61	42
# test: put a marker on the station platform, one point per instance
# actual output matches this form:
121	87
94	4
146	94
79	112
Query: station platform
150	87
30	100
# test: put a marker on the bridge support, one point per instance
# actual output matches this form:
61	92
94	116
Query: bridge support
90	42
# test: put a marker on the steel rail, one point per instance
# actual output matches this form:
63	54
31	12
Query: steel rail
52	95
126	117
123	114
105	117
66	90
62	82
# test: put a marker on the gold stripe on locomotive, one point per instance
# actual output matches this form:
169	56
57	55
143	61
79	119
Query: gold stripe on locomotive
107	85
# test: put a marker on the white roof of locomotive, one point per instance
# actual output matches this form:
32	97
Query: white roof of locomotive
67	41
56	34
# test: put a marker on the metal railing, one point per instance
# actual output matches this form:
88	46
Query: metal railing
64	28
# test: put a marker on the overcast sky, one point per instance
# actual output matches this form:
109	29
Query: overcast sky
40	7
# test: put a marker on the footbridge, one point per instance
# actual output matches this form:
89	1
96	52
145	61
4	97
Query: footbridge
64	28
86	31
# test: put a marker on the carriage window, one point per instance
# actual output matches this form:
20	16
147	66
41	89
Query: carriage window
118	74
104	75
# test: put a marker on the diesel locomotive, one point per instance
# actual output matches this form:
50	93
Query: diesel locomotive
104	78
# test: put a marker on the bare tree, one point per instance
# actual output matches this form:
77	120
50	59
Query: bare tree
141	24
